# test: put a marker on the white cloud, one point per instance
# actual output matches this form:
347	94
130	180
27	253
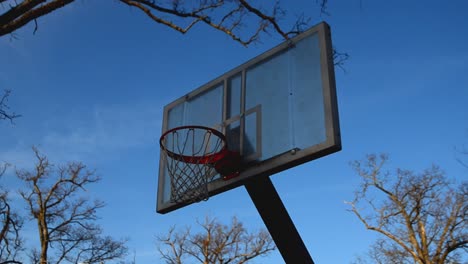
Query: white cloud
20	156
88	135
111	128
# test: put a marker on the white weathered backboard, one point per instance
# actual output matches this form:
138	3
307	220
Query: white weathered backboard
278	110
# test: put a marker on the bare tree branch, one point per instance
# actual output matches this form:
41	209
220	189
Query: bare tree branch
340	58
65	220
4	108
323	6
422	217
224	16
11	243
27	11
228	17
217	243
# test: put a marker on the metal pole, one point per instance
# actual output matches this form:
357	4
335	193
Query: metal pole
277	220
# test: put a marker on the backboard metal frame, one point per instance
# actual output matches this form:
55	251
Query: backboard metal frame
282	161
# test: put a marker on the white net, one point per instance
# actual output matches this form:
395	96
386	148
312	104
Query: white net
191	154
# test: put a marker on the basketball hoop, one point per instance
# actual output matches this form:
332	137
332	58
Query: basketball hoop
194	155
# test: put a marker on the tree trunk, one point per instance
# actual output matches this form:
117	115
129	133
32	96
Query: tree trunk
44	237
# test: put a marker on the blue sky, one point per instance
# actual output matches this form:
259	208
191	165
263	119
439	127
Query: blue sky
91	85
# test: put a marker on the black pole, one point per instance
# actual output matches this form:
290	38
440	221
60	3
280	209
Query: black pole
277	220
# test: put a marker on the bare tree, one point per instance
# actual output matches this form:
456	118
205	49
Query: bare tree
10	240
422	217
5	113
217	243
228	17
66	220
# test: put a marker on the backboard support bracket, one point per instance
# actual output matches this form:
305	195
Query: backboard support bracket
277	220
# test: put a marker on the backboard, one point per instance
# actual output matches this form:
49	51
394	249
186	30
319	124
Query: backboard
277	110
